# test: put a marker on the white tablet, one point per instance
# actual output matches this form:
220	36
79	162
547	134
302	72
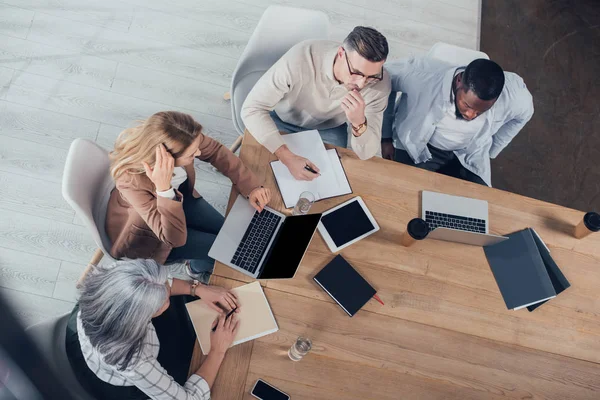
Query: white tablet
346	224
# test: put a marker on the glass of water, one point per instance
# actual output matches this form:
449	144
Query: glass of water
300	348
304	203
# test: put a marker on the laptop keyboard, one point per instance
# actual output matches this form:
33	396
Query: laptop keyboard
255	240
436	220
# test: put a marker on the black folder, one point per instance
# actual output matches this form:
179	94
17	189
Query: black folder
345	285
520	271
558	279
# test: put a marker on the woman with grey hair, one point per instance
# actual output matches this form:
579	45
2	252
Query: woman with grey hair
129	336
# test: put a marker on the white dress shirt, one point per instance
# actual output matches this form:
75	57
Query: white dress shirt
453	133
412	121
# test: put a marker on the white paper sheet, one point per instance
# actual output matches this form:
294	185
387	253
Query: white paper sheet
333	180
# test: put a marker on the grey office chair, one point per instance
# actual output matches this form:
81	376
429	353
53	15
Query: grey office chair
454	55
278	30
86	186
50	336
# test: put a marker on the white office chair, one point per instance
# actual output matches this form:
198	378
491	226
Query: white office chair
50	337
86	186
454	55
278	30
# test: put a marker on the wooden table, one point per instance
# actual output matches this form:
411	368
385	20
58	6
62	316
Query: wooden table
444	332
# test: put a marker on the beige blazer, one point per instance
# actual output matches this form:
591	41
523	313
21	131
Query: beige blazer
142	224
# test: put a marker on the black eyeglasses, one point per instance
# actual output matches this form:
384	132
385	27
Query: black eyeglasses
369	78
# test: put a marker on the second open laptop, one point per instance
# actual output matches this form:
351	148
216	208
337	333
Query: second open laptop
457	219
266	245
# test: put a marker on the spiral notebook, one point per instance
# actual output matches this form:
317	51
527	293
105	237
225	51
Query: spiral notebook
256	317
331	183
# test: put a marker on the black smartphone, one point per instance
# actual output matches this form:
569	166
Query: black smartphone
263	391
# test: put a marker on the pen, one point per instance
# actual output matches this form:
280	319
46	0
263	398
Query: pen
378	299
308	168
227	316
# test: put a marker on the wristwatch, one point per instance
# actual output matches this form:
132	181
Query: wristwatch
360	129
193	287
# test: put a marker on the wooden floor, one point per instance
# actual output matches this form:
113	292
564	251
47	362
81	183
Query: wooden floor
88	68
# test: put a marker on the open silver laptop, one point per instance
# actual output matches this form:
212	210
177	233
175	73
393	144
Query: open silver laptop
457	219
266	245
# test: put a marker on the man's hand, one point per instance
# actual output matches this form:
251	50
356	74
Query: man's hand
353	105
387	150
297	164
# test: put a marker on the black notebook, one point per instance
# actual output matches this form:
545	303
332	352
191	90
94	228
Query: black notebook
520	271
345	285
558	279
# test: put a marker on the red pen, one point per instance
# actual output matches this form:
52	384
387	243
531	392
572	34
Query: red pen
378	299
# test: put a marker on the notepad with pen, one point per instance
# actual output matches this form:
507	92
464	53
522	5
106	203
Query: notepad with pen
332	180
255	317
345	285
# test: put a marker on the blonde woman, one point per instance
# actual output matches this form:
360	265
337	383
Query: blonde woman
154	211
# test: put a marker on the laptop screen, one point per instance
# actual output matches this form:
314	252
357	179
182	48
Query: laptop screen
289	247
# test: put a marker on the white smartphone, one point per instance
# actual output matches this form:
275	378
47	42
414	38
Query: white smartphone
264	391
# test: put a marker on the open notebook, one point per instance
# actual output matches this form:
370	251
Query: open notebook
333	180
256	318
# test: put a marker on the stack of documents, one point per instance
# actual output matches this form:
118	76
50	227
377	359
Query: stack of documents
331	183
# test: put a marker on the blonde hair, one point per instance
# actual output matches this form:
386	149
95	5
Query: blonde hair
176	130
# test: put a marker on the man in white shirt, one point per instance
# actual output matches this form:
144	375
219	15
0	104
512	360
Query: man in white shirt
453	119
339	89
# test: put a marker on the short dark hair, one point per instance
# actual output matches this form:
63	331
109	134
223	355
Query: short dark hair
367	42
485	78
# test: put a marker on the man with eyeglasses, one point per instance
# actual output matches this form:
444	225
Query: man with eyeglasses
340	90
453	119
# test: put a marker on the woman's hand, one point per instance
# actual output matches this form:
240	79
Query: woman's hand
162	173
222	337
218	298
259	198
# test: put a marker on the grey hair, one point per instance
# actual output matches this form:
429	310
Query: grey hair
117	303
368	43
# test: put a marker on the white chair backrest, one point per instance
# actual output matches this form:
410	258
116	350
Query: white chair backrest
278	30
86	186
454	55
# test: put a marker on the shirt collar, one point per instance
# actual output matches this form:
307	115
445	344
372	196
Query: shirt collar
447	93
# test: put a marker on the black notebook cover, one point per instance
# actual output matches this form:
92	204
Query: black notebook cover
519	270
345	285
559	281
